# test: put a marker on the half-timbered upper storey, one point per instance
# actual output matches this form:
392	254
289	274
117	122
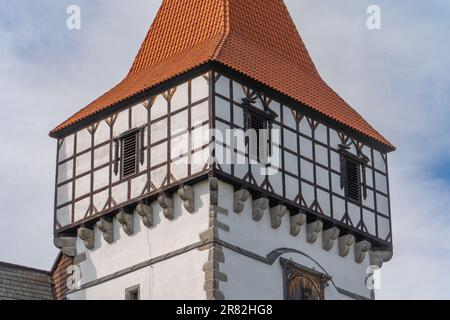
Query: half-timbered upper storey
206	65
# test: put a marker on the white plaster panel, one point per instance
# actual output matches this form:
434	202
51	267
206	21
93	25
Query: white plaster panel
258	173
180	98
355	213
276	181
64	193
382	204
179	146
157	176
335	161
321	155
289	118
380	164
200	89
338	208
64	215
103	133
369	200
101	156
308	193
179	168
84	140
82	186
291	188
369	221
307	170
139	116
321	134
369	177
238	116
101	178
223	110
179	122
199	160
335	141
83	163
137	185
323	179
120	193
159	108
238	92
275	107
159	154
290	140
306	148
200	137
100	199
324	201
81	208
66	149
336	184
200	113
291	163
121	124
305	128
65	171
381	182
158	131
368	153
383	228
223	86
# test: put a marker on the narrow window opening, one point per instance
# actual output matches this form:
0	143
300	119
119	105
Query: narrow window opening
132	293
129	156
353	180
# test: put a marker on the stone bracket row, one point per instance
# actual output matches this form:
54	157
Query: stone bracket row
126	219
313	229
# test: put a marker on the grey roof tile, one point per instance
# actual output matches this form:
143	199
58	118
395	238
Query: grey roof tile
22	283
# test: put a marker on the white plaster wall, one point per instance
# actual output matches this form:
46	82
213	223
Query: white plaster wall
147	243
251	279
178	278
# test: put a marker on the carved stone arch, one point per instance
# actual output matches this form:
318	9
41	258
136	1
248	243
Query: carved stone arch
302	283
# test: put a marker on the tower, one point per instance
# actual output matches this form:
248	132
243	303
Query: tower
222	167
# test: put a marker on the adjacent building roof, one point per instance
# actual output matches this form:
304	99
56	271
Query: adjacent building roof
23	283
255	38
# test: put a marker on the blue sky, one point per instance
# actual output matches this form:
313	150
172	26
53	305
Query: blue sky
397	78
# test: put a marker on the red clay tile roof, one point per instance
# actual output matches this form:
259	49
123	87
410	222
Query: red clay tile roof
255	38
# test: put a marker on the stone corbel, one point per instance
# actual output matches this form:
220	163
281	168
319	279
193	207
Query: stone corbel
88	237
312	231
107	229
345	243
68	245
297	222
127	222
239	200
329	236
166	203
186	194
214	191
146	213
276	214
377	258
361	248
258	208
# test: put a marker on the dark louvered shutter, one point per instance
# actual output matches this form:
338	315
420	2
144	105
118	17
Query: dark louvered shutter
129	154
353	185
259	152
